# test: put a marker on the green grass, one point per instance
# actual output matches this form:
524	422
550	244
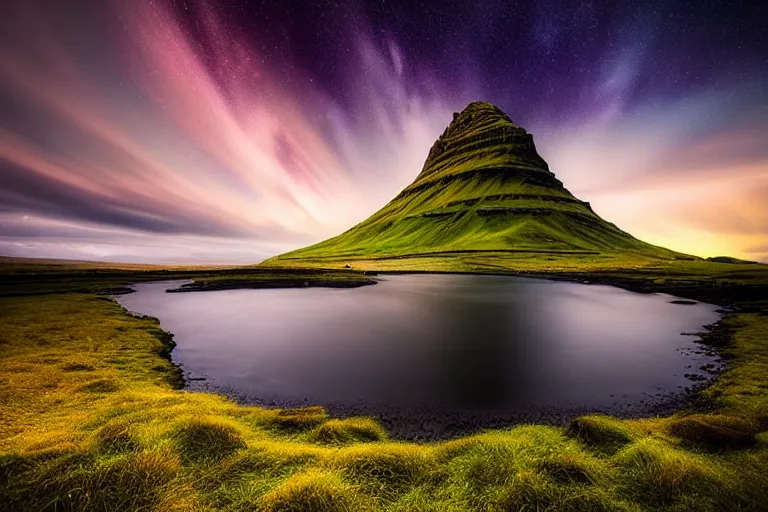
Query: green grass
348	430
30	277
716	430
279	278
91	419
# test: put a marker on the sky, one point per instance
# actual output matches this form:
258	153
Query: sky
192	131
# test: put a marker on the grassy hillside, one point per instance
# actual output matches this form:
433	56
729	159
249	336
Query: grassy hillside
91	418
483	189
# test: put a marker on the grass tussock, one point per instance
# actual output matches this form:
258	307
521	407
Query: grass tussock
348	430
602	433
567	469
116	438
77	367
716	430
207	439
527	490
101	386
272	459
133	482
79	481
314	492
385	470
299	419
657	474
531	491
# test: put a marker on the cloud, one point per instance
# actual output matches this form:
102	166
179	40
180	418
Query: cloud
199	140
144	126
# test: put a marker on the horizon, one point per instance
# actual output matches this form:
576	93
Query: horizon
189	132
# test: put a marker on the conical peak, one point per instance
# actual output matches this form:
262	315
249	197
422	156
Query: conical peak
479	114
481	111
483	107
486	195
482	129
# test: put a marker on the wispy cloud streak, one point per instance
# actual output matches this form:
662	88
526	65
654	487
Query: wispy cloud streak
157	124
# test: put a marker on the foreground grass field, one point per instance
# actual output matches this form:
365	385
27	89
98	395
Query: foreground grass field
91	419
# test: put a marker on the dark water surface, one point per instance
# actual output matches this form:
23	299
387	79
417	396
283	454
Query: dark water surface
430	353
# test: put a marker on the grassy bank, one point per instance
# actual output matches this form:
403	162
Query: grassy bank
278	278
91	419
19	277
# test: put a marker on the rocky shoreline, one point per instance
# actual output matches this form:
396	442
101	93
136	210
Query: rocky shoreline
430	423
427	424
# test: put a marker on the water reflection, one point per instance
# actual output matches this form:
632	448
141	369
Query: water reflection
449	342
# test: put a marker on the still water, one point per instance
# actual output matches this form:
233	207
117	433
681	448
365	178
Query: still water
457	344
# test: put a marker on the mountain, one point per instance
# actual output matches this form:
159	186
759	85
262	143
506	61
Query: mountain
484	199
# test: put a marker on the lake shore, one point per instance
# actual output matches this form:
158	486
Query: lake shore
435	422
91	419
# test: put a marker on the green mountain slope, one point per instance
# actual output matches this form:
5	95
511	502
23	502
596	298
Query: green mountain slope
484	192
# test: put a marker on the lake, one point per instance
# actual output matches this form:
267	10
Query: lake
434	354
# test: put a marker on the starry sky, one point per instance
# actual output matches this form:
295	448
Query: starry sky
193	131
